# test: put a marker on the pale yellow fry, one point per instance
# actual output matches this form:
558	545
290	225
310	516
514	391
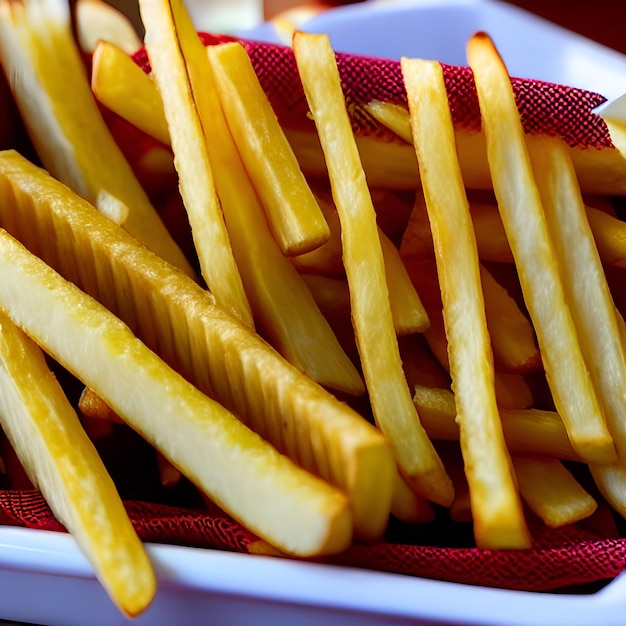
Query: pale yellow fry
609	233
389	393
496	507
551	491
490	234
178	318
407	310
196	181
526	431
236	468
408	506
296	220
512	390
589	295
62	462
39	54
122	86
417	240
512	335
537	264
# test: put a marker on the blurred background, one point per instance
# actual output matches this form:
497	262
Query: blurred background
601	20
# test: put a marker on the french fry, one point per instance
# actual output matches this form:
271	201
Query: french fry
408	506
122	86
537	264
39	55
297	221
490	234
408	312
62	462
389	394
588	293
174	79
609	233
599	171
551	491
496	507
175	316
242	473
93	407
512	391
97	21
512	335
526	431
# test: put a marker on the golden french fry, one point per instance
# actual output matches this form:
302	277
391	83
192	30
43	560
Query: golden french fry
490	234
296	220
240	471
175	316
408	312
170	63
609	233
512	390
417	240
62	462
408	506
526	431
522	214
389	394
98	21
589	296
91	405
599	171
122	86
512	335
496	507
551	491
39	54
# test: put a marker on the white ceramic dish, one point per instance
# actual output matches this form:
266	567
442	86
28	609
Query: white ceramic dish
439	29
44	579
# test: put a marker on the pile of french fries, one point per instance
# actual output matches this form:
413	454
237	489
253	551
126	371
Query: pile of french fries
302	346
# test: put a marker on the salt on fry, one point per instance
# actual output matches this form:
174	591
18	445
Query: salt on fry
522	214
389	394
496	507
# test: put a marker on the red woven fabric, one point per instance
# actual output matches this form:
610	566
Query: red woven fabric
558	559
545	108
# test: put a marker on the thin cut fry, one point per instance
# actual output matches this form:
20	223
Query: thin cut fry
537	264
241	472
122	86
196	180
512	335
551	491
176	317
589	296
526	431
496	507
609	233
389	393
62	462
297	222
39	54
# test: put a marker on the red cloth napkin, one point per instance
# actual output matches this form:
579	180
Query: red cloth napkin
559	559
